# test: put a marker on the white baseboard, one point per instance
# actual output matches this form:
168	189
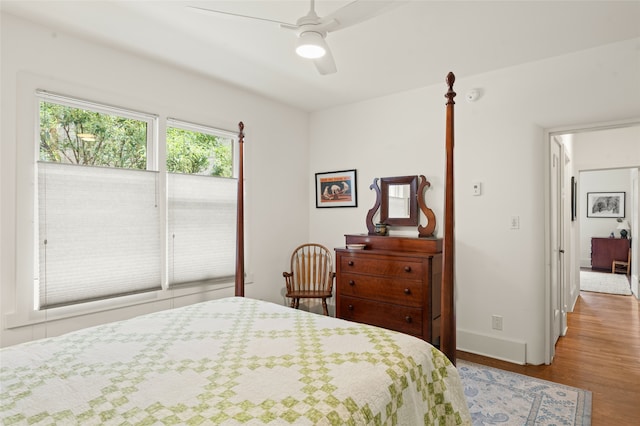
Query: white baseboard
491	346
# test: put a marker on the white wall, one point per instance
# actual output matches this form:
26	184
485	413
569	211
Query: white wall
499	142
276	147
607	148
611	180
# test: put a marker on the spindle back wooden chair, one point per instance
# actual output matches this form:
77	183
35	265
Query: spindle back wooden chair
620	266
311	275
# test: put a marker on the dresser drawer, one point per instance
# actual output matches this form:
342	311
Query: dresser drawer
383	289
394	283
394	317
401	268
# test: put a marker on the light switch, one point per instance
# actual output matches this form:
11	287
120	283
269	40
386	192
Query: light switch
477	188
515	222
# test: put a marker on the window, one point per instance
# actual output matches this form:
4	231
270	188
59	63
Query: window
87	137
202	204
104	228
97	203
198	150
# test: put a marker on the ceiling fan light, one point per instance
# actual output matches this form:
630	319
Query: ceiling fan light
311	45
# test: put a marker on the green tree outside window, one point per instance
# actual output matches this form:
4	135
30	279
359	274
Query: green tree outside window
79	136
198	153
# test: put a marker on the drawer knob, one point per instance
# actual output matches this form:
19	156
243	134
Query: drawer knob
350	307
408	319
407	291
350	263
407	268
352	282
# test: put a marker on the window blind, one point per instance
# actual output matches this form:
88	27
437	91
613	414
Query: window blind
99	233
202	228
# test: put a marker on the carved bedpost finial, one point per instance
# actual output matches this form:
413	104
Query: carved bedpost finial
451	78
241	133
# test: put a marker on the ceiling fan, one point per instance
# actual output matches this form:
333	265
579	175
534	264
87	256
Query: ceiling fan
311	29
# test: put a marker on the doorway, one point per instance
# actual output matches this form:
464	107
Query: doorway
572	150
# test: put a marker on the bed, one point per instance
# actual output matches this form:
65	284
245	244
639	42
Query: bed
238	360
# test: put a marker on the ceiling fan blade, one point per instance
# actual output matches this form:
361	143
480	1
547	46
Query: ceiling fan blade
326	64
357	11
237	15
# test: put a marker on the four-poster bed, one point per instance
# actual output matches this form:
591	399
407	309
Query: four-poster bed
240	361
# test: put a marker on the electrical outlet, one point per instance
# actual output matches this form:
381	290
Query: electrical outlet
496	322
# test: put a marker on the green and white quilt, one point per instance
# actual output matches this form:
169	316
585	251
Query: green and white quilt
230	361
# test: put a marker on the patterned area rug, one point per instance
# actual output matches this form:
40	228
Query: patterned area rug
602	282
498	397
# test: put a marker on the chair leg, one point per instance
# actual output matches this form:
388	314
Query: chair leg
324	307
297	303
293	302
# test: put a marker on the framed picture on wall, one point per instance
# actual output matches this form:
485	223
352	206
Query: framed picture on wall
336	189
605	204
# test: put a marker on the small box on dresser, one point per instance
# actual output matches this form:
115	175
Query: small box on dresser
394	283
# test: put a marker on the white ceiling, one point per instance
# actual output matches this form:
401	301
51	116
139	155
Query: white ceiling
413	45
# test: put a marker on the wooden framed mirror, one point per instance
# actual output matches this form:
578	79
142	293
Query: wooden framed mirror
399	203
408	193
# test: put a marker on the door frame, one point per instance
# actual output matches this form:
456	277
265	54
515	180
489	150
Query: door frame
549	339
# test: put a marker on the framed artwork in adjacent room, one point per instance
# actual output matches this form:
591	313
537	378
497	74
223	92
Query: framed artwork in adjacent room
605	204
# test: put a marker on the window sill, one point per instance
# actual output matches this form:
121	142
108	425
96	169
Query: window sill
16	320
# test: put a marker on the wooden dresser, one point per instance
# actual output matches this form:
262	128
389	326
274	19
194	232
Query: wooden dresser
393	283
605	250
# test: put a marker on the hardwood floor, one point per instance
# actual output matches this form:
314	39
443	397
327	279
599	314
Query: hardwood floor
601	353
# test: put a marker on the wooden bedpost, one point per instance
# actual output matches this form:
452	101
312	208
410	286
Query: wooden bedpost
240	216
448	331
